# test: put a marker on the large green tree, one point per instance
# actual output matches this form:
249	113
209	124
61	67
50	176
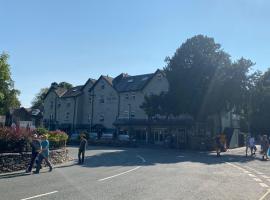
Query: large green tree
192	72
8	95
259	105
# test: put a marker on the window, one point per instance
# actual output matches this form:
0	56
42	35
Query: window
101	118
126	115
67	115
68	105
102	87
51	105
133	96
101	99
130	81
59	105
159	76
132	114
126	96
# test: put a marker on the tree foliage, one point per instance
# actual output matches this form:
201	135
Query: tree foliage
259	104
38	101
203	82
8	95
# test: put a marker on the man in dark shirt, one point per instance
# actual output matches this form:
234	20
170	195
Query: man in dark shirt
36	147
82	148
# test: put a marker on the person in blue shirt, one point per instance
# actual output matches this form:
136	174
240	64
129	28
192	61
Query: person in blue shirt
44	153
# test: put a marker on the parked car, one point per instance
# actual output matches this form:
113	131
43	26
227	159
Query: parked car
123	137
93	136
107	136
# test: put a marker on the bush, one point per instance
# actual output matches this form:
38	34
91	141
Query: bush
12	140
57	139
42	131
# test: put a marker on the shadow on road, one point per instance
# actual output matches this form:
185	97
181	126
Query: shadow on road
129	157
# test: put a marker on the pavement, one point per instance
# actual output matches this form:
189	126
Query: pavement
144	173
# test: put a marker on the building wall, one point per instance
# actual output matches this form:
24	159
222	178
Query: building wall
49	106
130	102
105	104
85	105
65	109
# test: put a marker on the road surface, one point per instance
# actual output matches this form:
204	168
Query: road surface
141	173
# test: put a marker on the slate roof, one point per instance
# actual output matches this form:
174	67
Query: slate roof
73	92
132	83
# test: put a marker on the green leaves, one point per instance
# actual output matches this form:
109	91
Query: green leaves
8	95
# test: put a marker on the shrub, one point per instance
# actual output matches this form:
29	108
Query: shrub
57	138
12	140
42	131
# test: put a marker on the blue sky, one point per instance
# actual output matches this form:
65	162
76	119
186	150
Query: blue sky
71	41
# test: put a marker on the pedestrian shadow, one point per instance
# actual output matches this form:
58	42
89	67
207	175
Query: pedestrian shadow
129	157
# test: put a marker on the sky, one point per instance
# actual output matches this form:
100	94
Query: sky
64	40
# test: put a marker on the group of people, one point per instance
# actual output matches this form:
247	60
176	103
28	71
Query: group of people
40	151
251	144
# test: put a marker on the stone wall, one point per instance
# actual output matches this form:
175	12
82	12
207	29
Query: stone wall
10	162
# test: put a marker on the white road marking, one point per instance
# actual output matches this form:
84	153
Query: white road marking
252	175
110	177
245	171
257	172
268	180
264	185
40	195
262	198
143	160
257	179
266	177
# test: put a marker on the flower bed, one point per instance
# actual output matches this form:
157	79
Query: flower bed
18	140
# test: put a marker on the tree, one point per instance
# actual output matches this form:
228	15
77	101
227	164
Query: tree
259	107
191	73
8	95
38	101
65	85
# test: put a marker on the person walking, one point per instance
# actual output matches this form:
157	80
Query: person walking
218	145
265	146
82	148
36	147
252	146
44	154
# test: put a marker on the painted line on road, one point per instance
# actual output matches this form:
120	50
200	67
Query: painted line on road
263	197
142	158
266	177
257	179
264	185
257	172
40	195
252	175
110	177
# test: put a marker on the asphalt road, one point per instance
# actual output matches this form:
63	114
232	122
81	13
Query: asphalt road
138	173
